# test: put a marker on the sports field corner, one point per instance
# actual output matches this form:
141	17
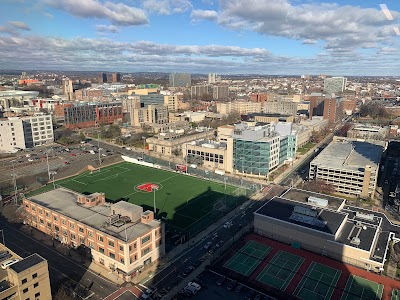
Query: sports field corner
183	201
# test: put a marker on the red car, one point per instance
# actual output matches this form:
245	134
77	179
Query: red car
72	154
66	163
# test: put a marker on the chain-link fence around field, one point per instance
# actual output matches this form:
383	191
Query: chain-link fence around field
207	174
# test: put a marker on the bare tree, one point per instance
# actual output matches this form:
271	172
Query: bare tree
12	213
63	293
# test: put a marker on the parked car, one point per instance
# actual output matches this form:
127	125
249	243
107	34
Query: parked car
194	285
8	263
221	280
238	289
208	245
231	285
189	270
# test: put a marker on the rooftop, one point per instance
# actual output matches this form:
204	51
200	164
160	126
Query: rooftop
303	195
350	155
27	263
326	221
64	201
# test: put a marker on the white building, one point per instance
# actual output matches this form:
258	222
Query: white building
335	84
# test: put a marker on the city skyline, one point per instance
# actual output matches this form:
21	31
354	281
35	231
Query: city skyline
226	37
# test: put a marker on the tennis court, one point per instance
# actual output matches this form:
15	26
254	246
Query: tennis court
358	288
246	260
280	270
319	282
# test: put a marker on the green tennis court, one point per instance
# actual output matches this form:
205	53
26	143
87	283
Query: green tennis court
358	288
319	283
395	294
246	260
280	270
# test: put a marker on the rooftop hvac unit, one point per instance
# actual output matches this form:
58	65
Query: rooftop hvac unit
305	211
355	241
361	215
318	201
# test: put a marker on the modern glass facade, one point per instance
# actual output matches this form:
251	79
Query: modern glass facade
251	157
291	146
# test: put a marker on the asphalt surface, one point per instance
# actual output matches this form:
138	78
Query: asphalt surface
61	267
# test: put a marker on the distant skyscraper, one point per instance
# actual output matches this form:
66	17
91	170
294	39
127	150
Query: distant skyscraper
220	92
212	78
116	77
180	79
335	85
68	89
103	77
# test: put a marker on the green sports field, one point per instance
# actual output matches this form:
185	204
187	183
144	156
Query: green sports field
181	200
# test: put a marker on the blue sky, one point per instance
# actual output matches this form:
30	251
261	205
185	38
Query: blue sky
225	36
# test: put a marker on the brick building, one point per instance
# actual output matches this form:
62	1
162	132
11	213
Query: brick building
121	236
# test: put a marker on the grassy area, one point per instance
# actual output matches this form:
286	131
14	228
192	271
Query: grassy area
303	150
181	200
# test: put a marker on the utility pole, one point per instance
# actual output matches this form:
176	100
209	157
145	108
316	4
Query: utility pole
2	234
14	176
98	148
48	167
155	209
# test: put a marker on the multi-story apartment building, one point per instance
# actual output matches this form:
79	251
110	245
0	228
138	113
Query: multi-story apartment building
333	110
220	92
68	89
172	102
180	79
90	115
151	114
103	77
280	106
368	132
241	107
116	77
211	154
350	166
25	132
335	85
198	91
121	236
26	279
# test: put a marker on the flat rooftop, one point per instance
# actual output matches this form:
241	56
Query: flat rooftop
349	155
26	263
64	201
283	209
303	195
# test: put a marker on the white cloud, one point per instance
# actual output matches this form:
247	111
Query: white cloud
34	52
19	25
199	14
117	13
167	7
339	26
107	28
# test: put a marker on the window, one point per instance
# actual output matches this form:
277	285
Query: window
41	221
101	250
40	211
37	295
24	281
111	243
73	236
81	229
72	225
146	250
63	222
112	255
25	291
55	218
90	233
91	245
145	239
121	260
34	275
36	285
100	238
82	240
121	248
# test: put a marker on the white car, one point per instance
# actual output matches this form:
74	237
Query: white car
8	263
194	285
30	159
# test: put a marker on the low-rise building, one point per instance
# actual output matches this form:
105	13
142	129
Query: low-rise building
368	132
268	118
170	143
121	236
350	166
241	107
280	106
26	279
328	226
211	154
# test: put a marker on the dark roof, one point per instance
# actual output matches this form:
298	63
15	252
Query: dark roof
4	285
282	209
302	196
366	235
27	263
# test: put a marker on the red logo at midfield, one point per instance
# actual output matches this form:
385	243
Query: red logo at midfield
147	187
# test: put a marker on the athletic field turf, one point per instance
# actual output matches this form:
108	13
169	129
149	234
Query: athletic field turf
181	200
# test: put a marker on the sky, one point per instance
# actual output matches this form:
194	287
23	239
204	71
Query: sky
271	37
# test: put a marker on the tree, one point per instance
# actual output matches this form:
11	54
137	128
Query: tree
12	213
233	117
63	293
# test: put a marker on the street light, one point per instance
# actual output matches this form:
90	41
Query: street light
14	176
144	146
53	173
99	149
155	209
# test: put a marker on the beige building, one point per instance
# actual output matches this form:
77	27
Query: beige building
167	144
368	132
150	114
211	154
327	226
122	237
143	91
128	106
241	107
280	107
268	118
351	166
26	279
172	102
11	135
225	132
15	98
